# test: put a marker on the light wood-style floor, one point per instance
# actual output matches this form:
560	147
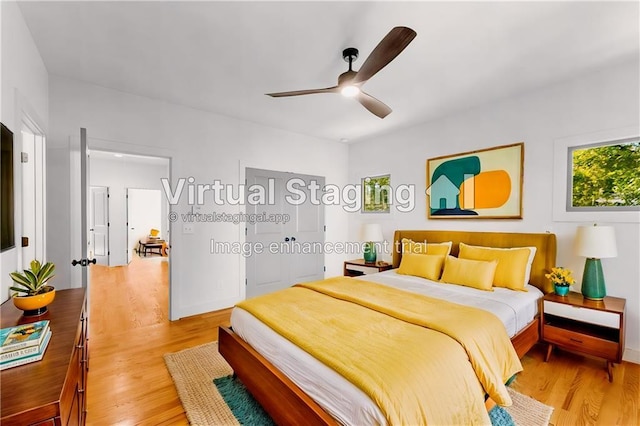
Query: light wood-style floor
129	383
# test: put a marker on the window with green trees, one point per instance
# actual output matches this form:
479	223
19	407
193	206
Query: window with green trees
606	176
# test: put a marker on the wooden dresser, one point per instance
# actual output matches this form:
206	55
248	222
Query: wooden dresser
51	391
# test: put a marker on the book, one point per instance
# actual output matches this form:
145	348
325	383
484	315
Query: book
23	336
20	353
30	358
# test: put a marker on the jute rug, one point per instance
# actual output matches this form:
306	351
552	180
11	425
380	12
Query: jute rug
194	369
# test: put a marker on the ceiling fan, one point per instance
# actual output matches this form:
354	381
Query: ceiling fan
350	82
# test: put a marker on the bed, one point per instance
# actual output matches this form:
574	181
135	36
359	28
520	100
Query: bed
268	365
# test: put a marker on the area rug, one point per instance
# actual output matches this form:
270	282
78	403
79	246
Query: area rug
225	401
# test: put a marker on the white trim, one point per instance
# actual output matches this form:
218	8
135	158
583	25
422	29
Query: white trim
27	117
631	355
560	184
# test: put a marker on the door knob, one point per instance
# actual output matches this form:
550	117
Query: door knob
83	262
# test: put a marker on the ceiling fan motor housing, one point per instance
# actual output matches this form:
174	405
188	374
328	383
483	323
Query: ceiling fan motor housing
350	54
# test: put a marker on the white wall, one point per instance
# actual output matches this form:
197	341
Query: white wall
203	145
607	99
24	90
119	174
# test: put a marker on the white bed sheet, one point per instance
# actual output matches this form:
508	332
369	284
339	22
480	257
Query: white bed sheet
339	397
515	309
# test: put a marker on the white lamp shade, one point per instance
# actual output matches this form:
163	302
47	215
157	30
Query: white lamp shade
596	242
371	232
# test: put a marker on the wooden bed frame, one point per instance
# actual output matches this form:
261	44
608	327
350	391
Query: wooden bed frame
287	404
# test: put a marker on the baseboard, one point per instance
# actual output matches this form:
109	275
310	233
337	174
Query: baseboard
631	355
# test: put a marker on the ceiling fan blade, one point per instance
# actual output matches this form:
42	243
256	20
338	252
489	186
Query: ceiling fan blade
373	105
386	51
303	92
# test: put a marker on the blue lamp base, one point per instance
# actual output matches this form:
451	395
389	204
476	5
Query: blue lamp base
370	252
593	280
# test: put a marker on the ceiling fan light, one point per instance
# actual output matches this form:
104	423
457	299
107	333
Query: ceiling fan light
350	91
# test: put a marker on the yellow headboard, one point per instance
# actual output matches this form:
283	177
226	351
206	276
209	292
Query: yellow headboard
545	244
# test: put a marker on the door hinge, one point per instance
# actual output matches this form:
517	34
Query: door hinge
245	232
325	228
24	157
108	223
109	253
245	282
324	268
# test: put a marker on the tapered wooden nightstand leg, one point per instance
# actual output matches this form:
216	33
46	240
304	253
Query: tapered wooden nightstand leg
610	370
549	349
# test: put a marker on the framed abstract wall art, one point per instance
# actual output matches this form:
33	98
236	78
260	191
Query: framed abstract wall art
483	184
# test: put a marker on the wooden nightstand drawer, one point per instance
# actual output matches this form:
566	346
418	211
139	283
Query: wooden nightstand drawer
581	342
592	316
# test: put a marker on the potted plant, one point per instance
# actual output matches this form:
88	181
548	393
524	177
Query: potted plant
32	294
561	279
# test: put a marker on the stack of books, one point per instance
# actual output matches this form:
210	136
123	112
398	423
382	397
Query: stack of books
23	344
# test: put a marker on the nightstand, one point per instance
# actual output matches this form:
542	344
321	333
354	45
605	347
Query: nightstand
587	326
354	268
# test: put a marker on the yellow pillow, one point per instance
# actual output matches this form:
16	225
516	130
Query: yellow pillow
421	265
442	249
514	264
410	246
471	273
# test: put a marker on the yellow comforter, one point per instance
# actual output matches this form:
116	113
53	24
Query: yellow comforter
421	360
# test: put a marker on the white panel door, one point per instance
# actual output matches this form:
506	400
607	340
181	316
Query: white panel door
80	212
306	229
99	224
268	271
284	259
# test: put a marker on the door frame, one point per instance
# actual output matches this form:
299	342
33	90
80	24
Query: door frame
241	229
99	144
27	122
163	232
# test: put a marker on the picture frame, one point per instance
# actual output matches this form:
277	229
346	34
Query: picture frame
481	184
376	194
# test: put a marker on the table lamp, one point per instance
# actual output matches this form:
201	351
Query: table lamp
371	233
595	243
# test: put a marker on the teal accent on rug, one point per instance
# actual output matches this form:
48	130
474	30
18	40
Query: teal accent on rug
248	412
500	417
246	409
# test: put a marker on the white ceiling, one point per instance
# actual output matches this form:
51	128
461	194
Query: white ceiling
223	56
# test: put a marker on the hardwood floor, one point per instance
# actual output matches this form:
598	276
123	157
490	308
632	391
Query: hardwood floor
128	382
130	385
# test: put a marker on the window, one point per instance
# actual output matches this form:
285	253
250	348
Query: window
604	176
601	169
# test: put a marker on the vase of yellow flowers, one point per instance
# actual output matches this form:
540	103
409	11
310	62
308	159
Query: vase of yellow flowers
561	279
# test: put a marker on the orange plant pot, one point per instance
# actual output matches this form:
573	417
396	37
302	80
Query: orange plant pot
34	305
